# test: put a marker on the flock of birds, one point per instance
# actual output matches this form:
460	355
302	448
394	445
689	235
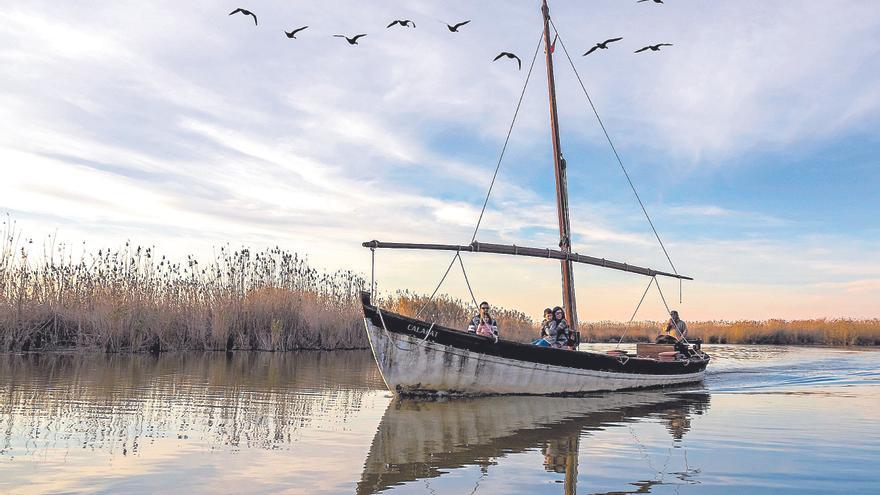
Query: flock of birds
453	28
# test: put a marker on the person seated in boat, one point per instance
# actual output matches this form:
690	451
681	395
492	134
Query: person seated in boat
675	331
558	332
483	323
545	325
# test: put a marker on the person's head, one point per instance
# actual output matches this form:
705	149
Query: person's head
558	313
484	308
674	315
548	314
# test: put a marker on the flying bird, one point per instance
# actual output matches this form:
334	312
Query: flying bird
653	48
245	12
655	1
292	34
509	55
603	45
351	41
403	23
454	28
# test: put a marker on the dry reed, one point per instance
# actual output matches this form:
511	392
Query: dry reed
822	331
133	300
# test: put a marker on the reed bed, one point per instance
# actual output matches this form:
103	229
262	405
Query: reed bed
133	300
822	331
456	313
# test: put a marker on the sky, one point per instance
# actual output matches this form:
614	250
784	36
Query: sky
752	142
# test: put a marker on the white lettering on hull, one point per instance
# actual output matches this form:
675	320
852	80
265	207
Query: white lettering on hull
421	330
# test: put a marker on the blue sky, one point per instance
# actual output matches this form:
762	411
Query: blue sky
752	141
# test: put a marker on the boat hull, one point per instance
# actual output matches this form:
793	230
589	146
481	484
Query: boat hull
415	357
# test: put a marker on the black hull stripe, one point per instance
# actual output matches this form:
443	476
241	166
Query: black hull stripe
399	324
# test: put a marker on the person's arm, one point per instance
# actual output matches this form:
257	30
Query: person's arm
494	326
684	329
472	328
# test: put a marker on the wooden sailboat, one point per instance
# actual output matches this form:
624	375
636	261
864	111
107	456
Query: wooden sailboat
419	357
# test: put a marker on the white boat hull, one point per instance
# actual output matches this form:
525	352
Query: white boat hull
412	365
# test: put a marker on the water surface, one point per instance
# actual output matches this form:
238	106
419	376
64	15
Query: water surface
766	420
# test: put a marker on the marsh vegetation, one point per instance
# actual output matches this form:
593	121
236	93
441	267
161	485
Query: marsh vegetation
134	300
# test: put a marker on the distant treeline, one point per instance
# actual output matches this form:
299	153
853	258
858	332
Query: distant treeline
134	301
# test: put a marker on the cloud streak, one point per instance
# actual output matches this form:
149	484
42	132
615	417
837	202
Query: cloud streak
195	129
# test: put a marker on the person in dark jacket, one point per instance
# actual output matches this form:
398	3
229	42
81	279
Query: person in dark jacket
483	323
558	332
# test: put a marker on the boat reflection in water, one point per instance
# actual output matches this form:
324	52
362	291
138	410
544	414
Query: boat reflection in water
420	439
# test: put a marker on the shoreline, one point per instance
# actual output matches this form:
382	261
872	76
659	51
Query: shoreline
95	351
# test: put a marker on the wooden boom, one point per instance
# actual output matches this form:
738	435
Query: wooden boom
483	247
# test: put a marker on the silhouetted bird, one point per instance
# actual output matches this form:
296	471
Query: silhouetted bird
245	12
509	55
404	23
603	45
653	48
454	28
292	34
352	40
655	1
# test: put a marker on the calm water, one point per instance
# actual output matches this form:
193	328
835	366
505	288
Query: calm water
767	420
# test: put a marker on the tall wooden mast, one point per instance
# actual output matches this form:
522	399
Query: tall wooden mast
568	298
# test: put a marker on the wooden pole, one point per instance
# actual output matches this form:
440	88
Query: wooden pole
568	297
513	249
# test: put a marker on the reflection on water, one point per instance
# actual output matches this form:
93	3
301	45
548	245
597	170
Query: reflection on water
767	420
114	402
420	439
141	411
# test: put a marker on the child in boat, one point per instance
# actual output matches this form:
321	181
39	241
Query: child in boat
483	323
545	325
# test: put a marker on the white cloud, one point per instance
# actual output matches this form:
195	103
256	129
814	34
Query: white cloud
197	128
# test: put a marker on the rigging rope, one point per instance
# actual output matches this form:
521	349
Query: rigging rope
507	139
613	148
626	328
438	286
661	294
466	281
491	184
373	273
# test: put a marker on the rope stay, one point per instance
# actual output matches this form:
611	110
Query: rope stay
468	282
438	286
507	139
631	318
613	148
491	185
372	272
661	295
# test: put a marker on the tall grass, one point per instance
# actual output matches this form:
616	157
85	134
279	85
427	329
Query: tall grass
132	299
822	331
455	313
